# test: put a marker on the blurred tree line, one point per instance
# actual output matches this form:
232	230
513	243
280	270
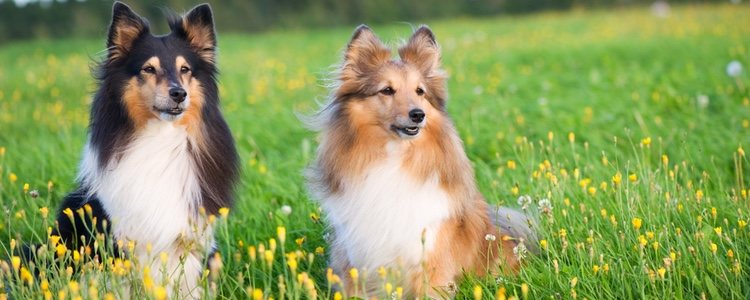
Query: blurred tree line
89	18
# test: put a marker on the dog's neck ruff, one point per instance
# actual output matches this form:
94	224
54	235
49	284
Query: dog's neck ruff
385	216
150	189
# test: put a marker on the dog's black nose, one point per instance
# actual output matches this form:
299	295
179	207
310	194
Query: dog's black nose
177	94
416	115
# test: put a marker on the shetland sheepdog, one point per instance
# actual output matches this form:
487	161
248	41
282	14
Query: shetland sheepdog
160	159
394	181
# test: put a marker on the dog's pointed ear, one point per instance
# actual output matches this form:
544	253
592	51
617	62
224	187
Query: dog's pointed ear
422	50
125	29
365	51
198	30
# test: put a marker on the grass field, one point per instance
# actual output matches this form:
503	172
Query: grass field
628	123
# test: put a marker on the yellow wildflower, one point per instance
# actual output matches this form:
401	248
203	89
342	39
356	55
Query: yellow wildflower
54	239
160	293
73	287
224	212
713	247
148	282
257	294
60	249
617	178
382	272
268	255
633	177
15	261
68	212
292	263
354	274
44	211
511	164
477	292
662	271
642	240
281	233
637	222
13	177
514	191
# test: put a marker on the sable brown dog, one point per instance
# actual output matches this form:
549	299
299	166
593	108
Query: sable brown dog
392	177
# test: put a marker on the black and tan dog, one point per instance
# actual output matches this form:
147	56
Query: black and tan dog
160	158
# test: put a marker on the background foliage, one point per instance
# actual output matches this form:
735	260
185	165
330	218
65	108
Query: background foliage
627	122
89	18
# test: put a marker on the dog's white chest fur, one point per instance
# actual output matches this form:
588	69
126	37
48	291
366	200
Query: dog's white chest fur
151	193
379	218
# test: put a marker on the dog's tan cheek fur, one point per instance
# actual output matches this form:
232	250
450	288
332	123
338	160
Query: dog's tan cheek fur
136	103
193	116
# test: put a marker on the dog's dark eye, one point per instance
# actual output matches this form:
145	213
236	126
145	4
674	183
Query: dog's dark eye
420	91
388	91
184	70
149	69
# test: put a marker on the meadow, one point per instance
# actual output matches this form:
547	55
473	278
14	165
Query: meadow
627	123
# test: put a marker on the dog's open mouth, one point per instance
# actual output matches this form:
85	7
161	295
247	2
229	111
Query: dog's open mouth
408	130
170	111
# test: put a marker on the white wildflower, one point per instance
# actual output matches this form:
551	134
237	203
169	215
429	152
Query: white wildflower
520	251
702	101
286	210
524	201
545	206
734	68
490	237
